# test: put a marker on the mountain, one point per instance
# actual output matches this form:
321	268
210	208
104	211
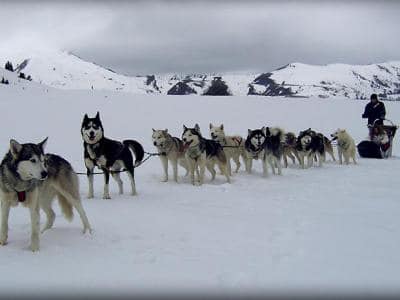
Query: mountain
61	69
351	81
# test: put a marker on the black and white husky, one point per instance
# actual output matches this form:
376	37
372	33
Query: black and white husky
108	155
289	148
201	153
310	144
170	149
274	138
34	179
254	146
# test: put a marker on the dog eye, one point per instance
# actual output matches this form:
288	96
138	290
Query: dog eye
33	160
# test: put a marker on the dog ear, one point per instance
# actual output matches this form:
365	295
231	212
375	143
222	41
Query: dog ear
267	131
184	127
85	117
43	143
15	148
166	130
153	130
98	116
197	127
211	126
263	130
249	131
222	126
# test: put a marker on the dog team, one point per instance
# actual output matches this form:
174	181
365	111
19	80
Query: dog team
34	178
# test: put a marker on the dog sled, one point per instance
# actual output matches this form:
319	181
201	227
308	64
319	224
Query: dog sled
380	144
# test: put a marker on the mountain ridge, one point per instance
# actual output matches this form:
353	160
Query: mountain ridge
66	70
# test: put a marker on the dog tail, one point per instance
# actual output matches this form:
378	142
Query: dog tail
66	207
136	148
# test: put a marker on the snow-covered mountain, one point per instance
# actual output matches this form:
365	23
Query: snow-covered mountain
61	69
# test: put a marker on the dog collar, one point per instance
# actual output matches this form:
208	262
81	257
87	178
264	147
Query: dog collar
21	196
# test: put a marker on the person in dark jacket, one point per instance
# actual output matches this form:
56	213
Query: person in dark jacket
374	110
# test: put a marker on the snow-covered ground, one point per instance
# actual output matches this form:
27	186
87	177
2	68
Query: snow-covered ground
329	229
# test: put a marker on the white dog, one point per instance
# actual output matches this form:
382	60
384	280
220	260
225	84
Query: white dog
346	146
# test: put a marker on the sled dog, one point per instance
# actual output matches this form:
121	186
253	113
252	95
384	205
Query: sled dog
34	179
310	144
233	146
289	148
345	145
171	149
254	146
202	153
274	137
109	155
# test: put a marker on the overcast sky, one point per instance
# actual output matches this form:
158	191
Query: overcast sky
172	36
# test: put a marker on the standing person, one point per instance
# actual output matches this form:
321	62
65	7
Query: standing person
374	110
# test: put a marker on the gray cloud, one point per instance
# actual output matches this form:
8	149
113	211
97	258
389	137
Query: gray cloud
141	37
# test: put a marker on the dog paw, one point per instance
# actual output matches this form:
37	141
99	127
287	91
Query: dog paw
35	247
106	197
90	196
3	242
164	180
87	229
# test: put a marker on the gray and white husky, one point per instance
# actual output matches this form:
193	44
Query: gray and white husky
34	179
201	153
233	146
171	149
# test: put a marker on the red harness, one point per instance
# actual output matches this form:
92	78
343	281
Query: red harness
21	196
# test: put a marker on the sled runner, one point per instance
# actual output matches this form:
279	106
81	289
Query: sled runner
380	144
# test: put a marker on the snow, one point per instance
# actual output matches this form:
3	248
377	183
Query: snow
343	78
329	229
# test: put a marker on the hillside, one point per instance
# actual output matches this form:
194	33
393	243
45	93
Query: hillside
61	69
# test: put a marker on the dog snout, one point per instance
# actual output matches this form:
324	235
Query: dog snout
44	174
184	139
154	143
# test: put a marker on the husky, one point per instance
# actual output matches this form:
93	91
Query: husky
274	137
171	149
109	155
255	149
201	153
233	146
328	147
310	144
346	146
34	179
289	148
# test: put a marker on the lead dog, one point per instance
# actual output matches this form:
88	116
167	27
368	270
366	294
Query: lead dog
170	149
201	153
33	179
233	146
109	155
